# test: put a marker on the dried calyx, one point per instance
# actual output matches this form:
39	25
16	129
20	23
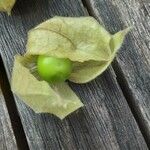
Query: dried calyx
88	50
7	5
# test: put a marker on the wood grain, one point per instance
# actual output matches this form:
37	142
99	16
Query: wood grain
12	110
132	65
105	122
7	138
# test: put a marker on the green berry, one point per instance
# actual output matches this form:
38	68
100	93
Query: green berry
52	69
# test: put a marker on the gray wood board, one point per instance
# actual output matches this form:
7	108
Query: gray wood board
105	122
7	138
133	62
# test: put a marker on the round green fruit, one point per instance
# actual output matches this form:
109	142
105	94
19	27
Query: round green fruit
54	69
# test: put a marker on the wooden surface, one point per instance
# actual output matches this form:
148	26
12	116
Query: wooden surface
132	65
7	138
106	121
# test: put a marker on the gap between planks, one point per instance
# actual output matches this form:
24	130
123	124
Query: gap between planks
123	84
12	110
129	97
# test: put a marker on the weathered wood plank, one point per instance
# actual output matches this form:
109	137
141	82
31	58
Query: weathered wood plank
12	110
105	122
133	62
7	138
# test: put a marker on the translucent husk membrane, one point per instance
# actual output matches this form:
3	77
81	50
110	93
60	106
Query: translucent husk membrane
7	5
84	41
